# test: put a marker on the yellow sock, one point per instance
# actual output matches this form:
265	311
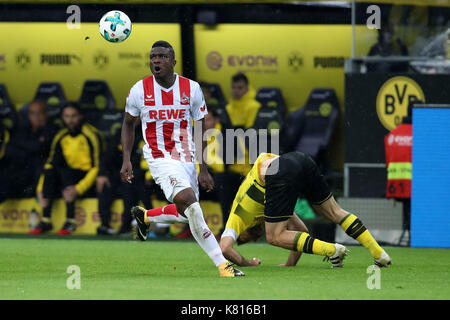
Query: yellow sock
355	229
305	243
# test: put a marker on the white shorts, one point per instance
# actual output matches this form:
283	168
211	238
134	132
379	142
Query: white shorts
173	176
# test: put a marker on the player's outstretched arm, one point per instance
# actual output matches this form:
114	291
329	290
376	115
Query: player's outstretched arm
127	140
226	245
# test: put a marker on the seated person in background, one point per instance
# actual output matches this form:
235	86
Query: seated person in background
30	147
216	166
242	111
243	106
212	103
109	187
72	166
4	162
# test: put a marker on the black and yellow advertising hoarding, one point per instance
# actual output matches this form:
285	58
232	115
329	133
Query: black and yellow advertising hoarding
37	52
376	104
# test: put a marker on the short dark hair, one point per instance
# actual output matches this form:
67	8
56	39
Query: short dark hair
164	44
239	77
72	104
40	102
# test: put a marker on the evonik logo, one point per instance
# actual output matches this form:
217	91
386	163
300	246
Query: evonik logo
252	61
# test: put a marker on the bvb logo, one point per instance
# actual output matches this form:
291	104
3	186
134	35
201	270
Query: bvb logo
295	60
273	125
101	60
214	60
23	59
393	99
325	109
100	101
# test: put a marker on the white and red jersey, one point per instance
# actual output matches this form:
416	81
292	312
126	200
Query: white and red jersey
166	116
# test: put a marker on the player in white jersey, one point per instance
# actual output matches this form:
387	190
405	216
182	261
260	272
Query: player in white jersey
166	103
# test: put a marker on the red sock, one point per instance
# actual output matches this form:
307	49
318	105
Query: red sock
169	209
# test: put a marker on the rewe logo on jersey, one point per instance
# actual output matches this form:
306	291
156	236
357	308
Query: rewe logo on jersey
167	114
202	109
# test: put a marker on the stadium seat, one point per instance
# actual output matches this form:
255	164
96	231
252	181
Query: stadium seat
271	97
309	129
107	121
217	97
53	94
96	94
269	115
8	114
99	107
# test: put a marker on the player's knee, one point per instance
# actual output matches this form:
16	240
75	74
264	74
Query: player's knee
338	214
183	200
191	210
272	239
183	203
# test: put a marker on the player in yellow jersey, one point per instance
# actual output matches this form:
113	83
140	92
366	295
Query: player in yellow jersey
71	168
269	194
246	219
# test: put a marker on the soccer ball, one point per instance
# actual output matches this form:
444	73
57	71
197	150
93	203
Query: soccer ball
115	26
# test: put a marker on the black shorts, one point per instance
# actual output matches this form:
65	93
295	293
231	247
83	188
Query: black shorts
55	180
289	176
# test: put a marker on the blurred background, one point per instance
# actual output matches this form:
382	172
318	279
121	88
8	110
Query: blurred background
332	78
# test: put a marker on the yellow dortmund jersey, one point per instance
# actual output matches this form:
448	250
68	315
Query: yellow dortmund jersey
80	152
248	206
242	114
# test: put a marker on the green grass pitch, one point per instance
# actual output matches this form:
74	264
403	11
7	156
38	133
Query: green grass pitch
36	268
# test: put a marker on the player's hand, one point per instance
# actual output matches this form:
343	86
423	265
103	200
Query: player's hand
101	182
43	202
126	173
254	262
70	193
206	181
